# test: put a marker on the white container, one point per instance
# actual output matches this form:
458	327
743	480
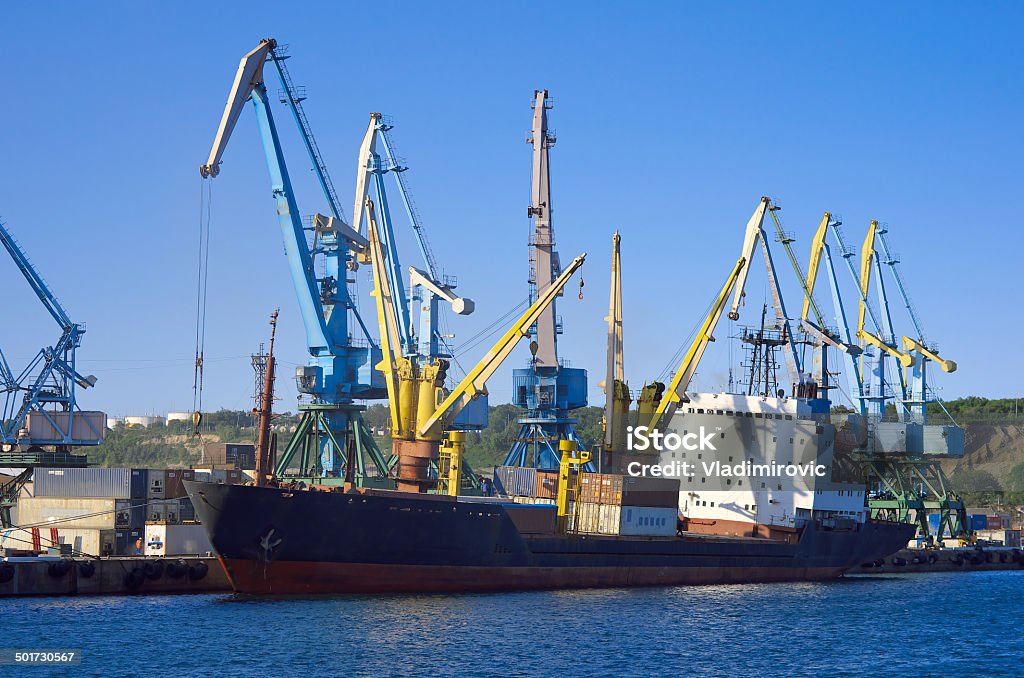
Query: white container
648	522
589	517
71	512
608	519
176	540
155	486
91	542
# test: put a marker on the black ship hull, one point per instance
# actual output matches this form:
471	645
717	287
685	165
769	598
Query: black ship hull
276	541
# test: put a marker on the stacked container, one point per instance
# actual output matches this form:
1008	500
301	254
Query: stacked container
625	505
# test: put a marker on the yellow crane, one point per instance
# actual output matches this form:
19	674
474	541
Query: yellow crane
658	403
419	406
866	259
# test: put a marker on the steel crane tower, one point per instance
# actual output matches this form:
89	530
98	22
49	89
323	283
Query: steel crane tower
42	423
422	410
331	437
549	389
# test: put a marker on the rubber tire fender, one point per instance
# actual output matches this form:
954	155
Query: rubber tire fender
197	571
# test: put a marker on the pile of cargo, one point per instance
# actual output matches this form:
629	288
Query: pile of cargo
525	485
98	511
105	511
627	505
608	503
236	456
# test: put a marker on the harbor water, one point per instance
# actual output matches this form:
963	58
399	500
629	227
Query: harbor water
907	624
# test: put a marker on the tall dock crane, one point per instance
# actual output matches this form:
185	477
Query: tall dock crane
616	391
549	389
416	302
331	436
42	423
902	456
422	411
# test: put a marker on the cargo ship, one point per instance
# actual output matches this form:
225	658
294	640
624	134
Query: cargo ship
290	541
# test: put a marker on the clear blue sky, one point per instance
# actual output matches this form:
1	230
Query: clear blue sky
672	120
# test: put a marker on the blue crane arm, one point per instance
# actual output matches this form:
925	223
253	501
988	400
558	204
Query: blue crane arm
300	261
34	279
249	84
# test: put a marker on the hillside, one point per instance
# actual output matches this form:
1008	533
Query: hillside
991	447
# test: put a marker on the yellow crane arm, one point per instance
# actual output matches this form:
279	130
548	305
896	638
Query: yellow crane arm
386	321
912	345
676	390
817	247
906	359
475	382
867	255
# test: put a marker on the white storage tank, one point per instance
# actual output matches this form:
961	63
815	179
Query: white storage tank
145	421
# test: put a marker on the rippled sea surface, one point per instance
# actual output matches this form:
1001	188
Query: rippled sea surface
908	625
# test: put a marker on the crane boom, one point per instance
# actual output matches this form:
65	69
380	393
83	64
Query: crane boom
616	392
676	391
755	234
475	381
248	77
750	238
866	261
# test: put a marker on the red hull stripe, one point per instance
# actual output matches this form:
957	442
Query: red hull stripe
295	577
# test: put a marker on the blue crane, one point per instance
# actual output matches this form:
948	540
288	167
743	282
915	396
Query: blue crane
40	403
332	441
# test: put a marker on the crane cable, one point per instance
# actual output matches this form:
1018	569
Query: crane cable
205	202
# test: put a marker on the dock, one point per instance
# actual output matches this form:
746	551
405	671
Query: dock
110	576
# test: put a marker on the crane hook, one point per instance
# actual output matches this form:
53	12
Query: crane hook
580	295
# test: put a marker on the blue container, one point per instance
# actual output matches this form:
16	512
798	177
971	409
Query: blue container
515	481
977	521
186	511
139	483
126	540
933	521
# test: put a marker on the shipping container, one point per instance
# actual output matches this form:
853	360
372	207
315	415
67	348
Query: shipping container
515	481
173	486
608	516
618	490
91	541
546	484
157	486
130	542
993	522
113	483
85	426
977	521
176	540
588	517
654	492
164	511
187	512
79	512
229	455
648	521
